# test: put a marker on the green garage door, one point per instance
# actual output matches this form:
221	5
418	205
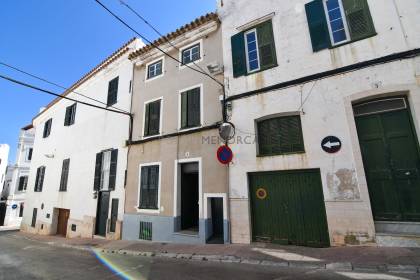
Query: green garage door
287	207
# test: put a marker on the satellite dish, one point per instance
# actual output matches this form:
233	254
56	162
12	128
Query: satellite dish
227	131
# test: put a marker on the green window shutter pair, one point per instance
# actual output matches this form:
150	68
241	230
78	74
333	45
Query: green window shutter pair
152	118
149	187
357	13
280	135
266	48
190	108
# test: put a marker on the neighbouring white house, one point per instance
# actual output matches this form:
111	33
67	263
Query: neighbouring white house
4	156
325	98
77	177
17	178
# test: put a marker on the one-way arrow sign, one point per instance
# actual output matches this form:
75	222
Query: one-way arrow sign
331	144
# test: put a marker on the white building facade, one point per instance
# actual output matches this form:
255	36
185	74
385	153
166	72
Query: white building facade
17	176
299	72
77	178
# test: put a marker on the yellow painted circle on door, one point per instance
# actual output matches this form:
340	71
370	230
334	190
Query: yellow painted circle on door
261	193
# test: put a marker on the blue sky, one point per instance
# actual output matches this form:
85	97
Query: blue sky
61	40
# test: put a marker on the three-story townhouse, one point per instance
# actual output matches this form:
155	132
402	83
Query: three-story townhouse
18	174
77	176
176	189
327	95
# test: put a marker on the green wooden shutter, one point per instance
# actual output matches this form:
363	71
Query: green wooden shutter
64	174
98	171
73	113
318	27
266	45
112	91
154	118
184	109
238	55
359	19
41	178
68	116
113	169
37	179
194	107
146	119
144	188
154	187
114	215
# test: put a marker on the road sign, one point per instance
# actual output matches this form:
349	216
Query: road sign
224	154
14	206
331	144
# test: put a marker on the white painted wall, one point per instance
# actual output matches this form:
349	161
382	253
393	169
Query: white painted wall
94	130
328	109
4	157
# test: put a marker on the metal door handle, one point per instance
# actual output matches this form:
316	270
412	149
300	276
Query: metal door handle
408	173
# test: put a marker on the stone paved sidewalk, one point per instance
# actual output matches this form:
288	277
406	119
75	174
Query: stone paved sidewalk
358	258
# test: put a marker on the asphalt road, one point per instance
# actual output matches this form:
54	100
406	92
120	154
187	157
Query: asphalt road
21	258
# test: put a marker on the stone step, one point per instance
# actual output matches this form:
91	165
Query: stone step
397	240
405	228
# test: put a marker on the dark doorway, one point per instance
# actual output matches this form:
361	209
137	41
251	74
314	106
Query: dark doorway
102	213
189	196
63	218
2	213
216	221
391	158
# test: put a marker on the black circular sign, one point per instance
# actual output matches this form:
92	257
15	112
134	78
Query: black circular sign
331	144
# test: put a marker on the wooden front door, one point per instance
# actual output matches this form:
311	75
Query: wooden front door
287	207
102	213
63	218
391	159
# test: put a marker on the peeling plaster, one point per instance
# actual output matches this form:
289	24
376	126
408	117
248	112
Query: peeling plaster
343	185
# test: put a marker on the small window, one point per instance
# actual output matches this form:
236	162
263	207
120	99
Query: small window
191	54
149	187
152	118
39	181
190	108
47	128
64	175
254	50
280	135
30	151
154	70
112	92
23	183
70	115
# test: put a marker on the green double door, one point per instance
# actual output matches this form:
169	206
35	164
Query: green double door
287	207
391	160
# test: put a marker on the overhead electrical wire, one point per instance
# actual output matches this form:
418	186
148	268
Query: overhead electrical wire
155	30
61	96
57	85
156	46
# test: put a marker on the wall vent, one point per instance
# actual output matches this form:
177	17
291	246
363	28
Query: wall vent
145	231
